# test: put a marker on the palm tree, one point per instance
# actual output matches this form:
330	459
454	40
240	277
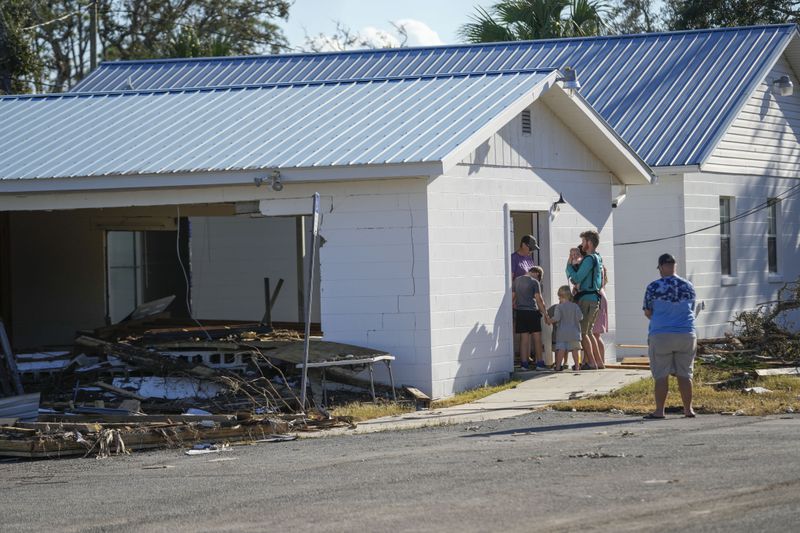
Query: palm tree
523	20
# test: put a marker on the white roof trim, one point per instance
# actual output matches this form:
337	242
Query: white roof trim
580	118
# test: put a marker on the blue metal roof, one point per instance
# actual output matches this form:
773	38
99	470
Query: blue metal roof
668	95
377	121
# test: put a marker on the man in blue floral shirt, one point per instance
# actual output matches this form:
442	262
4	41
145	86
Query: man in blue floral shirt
672	339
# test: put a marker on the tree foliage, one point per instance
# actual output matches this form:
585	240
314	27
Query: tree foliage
696	14
18	59
636	16
57	32
522	20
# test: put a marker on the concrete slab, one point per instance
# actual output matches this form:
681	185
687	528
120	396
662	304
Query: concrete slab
539	389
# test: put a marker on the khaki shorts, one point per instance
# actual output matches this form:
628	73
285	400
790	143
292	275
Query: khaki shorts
589	310
672	353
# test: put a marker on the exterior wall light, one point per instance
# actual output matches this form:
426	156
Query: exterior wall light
277	185
556	207
783	86
570	79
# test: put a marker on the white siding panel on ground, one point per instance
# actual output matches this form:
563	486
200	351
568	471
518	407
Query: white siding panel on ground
471	331
753	284
648	212
763	139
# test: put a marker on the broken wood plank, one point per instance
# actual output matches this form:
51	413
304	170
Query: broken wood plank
146	359
43	447
635	361
422	400
133	419
786	371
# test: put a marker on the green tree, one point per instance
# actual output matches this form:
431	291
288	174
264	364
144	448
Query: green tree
636	16
696	14
19	64
521	20
58	32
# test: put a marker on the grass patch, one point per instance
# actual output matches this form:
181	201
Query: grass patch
360	411
637	398
472	395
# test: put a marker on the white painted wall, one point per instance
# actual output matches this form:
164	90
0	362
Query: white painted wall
752	282
373	267
648	212
763	139
470	297
231	256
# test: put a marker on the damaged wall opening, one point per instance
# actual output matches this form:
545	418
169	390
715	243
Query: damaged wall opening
79	270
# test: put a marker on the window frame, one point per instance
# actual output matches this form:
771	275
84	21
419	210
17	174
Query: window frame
773	233
728	276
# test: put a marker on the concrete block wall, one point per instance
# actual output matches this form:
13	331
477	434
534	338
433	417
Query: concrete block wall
648	212
751	283
373	267
231	256
471	329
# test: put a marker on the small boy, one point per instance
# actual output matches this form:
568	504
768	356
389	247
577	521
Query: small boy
568	335
526	298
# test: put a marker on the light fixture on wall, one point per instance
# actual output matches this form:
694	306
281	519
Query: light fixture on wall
783	86
570	79
277	185
556	207
618	199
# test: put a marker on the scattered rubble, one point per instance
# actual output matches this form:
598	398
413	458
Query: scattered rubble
149	382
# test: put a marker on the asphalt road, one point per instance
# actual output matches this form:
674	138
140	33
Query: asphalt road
540	472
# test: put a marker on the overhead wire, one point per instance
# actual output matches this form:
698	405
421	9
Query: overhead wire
781	196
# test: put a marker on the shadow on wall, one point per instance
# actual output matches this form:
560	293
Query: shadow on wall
486	357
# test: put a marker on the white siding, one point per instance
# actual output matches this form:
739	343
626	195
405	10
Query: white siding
763	139
753	283
648	212
470	298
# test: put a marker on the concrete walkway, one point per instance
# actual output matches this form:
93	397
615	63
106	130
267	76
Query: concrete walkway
540	388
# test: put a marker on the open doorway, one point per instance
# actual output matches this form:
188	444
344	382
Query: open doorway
536	223
142	266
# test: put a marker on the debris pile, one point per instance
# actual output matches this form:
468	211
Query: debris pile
143	384
764	337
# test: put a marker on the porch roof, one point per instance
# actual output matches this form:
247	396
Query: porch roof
670	96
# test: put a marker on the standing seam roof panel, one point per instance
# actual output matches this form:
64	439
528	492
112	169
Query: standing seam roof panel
644	86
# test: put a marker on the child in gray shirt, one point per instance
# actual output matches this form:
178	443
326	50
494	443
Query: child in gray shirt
568	334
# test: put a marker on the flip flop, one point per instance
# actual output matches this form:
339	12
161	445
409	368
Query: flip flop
651	416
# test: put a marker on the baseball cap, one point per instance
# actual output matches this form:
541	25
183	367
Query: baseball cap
530	242
665	258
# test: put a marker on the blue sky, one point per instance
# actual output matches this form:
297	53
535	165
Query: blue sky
370	17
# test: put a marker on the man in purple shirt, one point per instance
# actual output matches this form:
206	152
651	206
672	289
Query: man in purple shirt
521	260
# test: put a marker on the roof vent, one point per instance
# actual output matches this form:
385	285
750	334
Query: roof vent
526	122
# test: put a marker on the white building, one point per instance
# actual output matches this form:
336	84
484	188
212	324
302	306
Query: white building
429	162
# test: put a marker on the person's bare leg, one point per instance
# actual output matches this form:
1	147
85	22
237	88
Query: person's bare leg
601	348
661	390
598	358
525	347
576	359
536	339
587	351
685	386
